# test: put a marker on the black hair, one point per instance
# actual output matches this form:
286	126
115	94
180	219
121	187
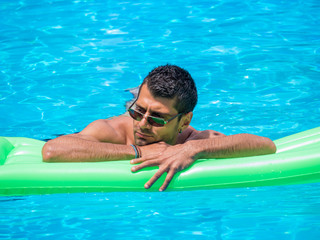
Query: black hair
171	81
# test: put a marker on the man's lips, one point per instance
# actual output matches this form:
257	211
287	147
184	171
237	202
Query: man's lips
142	135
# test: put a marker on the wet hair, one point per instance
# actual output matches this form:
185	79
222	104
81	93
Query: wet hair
171	81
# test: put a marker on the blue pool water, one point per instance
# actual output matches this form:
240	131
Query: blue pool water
256	64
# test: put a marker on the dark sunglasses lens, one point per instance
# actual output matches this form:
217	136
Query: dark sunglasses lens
135	115
157	122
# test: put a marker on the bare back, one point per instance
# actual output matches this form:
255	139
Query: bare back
119	130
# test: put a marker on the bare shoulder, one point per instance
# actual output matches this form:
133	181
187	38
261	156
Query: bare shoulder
192	134
114	130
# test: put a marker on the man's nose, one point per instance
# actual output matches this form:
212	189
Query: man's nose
144	122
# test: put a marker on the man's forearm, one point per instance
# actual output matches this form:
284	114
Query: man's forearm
240	145
75	149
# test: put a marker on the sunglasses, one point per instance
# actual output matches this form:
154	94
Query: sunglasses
153	121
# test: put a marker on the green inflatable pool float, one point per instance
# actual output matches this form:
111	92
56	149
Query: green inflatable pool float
22	171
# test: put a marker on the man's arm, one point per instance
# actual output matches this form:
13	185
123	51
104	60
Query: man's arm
239	145
212	144
101	140
178	157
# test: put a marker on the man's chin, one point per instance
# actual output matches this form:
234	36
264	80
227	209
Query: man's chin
141	142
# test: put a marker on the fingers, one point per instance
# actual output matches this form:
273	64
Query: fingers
157	175
167	181
154	178
137	160
142	159
170	163
150	163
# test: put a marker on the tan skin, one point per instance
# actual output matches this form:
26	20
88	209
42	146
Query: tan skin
165	147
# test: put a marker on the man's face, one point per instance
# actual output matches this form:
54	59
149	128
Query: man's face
144	133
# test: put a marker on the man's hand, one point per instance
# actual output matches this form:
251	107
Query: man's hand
170	159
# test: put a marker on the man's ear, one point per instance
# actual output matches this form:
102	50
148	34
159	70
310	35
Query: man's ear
185	121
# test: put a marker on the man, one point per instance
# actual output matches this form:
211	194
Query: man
157	132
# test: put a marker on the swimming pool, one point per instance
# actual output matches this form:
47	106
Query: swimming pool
256	65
